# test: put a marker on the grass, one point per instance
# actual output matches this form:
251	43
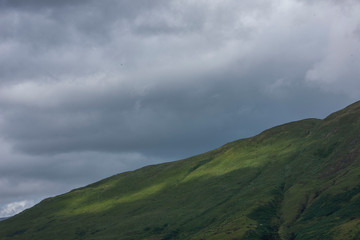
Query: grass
296	181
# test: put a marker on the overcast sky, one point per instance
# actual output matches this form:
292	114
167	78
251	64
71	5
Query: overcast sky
89	89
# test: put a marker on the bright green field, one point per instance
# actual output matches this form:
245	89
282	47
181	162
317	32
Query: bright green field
297	181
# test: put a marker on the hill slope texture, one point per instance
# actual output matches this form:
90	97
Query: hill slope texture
300	180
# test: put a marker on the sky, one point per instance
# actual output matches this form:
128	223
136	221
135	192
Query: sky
89	89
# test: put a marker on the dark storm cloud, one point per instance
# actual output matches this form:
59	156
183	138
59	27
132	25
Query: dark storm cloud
92	88
161	118
70	49
48	39
123	7
36	4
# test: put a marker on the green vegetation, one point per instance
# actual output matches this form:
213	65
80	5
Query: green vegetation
297	181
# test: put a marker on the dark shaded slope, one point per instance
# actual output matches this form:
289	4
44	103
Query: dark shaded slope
300	180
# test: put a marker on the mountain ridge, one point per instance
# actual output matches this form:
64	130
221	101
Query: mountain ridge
299	180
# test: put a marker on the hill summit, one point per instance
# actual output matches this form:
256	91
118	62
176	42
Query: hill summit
296	181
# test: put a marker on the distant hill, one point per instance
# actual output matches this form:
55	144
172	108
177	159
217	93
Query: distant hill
297	181
1	219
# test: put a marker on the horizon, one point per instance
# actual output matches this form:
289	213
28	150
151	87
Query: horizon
22	205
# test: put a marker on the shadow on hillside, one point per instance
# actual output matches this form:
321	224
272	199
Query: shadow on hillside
177	208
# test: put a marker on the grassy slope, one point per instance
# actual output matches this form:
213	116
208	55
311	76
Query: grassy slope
300	180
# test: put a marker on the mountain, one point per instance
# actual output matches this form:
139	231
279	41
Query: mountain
2	219
296	181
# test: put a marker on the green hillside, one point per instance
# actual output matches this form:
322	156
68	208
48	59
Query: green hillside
300	180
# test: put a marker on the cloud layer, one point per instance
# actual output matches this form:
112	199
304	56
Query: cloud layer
14	208
90	88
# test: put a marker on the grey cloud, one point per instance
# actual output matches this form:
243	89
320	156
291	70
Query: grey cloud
161	119
38	36
36	4
92	88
